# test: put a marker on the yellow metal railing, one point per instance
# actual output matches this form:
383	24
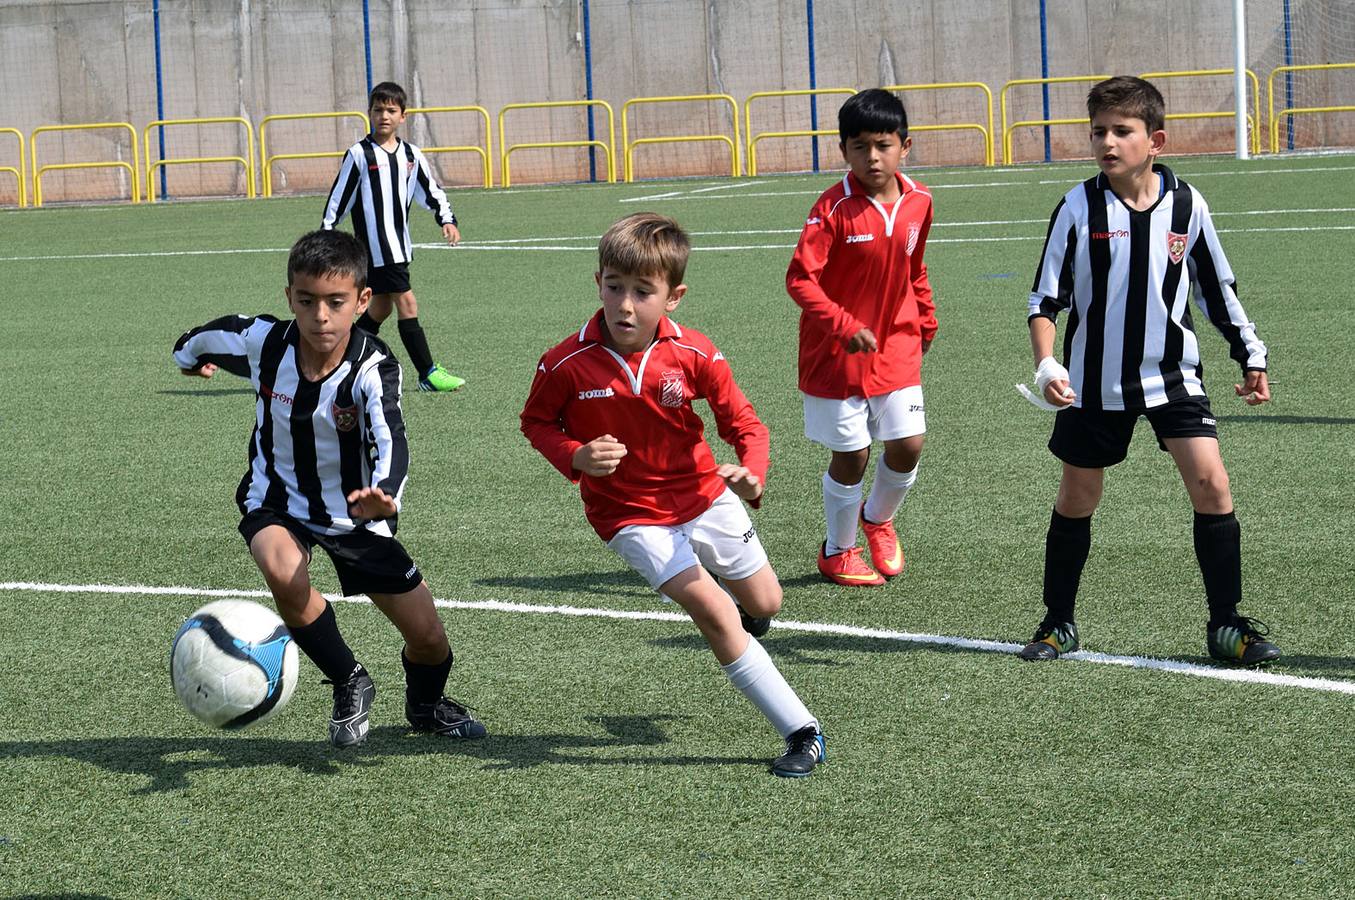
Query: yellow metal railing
268	161
1292	111
987	133
134	167
748	120
629	146
1008	129
609	147
1253	120
20	173
246	161
467	148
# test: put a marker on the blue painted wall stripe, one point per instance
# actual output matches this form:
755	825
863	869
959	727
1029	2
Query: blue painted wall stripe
813	85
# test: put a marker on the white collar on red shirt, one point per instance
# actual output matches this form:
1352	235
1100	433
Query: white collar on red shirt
591	333
851	186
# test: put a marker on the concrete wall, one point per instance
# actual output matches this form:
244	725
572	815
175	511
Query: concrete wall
87	61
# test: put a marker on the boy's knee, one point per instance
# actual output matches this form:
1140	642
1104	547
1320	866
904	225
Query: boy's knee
406	305
1212	493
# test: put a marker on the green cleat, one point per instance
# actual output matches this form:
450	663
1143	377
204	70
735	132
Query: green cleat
1242	642
440	380
1052	640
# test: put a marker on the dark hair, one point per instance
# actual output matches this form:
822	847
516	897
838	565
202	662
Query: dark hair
872	111
322	253
1129	96
645	243
389	92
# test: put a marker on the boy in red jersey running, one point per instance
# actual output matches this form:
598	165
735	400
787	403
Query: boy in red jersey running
866	319
611	408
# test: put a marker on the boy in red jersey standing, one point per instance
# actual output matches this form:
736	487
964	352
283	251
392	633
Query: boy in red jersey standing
866	319
611	408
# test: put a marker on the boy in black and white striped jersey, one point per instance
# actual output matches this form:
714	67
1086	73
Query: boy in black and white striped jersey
1123	252
380	178
327	465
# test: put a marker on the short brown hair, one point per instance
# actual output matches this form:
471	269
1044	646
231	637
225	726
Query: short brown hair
645	243
1129	96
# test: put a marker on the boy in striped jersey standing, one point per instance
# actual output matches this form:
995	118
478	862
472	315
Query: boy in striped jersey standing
327	466
380	178
1123	253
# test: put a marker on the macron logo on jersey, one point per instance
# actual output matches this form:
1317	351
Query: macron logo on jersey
859	238
270	394
597	393
1108	235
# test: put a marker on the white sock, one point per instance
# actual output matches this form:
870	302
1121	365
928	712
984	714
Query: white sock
887	493
757	677
841	503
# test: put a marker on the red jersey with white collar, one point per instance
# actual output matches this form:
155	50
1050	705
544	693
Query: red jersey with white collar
859	265
583	390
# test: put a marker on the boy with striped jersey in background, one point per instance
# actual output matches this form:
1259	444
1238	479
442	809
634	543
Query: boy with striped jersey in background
1124	251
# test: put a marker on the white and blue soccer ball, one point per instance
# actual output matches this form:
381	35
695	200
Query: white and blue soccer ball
233	663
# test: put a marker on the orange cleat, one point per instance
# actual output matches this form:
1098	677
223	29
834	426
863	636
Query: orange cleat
883	541
848	568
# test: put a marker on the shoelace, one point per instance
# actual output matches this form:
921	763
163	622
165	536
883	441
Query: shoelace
345	692
1252	628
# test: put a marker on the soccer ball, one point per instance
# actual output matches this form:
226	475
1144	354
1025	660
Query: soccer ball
233	663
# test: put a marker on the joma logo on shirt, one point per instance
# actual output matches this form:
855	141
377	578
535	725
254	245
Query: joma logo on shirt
596	393
859	238
1107	235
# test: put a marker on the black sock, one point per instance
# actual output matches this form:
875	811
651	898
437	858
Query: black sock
321	641
1218	547
411	333
368	324
424	684
1065	553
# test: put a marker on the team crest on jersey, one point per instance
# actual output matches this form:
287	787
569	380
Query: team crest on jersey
345	417
1176	247
914	230
672	389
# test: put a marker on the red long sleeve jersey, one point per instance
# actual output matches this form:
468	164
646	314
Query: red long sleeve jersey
584	390
859	265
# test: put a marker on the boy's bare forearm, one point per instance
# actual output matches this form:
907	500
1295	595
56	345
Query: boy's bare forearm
1041	337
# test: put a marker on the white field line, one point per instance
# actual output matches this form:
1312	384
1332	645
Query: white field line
1177	667
589	242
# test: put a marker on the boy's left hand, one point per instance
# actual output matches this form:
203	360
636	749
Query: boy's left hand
744	484
451	233
371	503
1255	388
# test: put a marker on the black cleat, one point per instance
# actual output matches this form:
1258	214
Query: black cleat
446	717
1242	642
805	749
757	626
352	699
1051	640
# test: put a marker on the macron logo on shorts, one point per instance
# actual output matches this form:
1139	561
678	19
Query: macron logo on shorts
1208	421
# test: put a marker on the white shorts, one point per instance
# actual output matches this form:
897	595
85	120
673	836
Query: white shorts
852	424
722	539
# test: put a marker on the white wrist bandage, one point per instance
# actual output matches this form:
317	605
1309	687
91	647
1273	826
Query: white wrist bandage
1048	371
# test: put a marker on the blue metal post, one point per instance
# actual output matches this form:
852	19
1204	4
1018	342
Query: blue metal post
813	84
1044	73
588	86
1288	76
159	94
367	42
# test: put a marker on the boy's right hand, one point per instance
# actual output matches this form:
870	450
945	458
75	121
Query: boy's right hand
206	370
599	457
1052	379
862	342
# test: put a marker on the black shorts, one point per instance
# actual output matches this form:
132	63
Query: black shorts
367	563
1095	439
391	279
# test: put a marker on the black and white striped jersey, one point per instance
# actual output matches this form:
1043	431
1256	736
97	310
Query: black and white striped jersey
313	442
1125	278
378	186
